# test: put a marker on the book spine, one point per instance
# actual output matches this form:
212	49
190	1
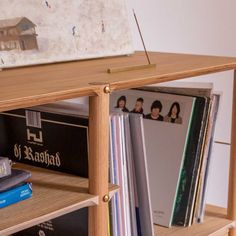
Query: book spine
15	195
5	167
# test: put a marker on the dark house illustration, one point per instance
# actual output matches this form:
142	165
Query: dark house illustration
17	33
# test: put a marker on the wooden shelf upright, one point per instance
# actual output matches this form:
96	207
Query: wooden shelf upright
30	86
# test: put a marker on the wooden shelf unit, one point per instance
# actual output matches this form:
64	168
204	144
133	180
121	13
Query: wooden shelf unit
29	86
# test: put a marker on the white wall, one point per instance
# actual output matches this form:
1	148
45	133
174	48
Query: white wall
198	27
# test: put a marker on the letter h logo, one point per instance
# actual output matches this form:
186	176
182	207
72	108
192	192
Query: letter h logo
33	136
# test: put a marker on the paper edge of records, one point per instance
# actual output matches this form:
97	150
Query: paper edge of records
130	174
123	225
203	187
141	172
184	88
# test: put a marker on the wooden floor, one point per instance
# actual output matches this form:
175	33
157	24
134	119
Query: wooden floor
215	224
54	194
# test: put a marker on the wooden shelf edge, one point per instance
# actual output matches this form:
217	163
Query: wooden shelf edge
87	203
113	189
61	200
52	215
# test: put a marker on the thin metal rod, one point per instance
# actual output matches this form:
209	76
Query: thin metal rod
149	62
224	143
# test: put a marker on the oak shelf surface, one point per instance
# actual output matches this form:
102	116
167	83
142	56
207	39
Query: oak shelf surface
54	194
215	224
36	85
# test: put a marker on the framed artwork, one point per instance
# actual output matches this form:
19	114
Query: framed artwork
40	31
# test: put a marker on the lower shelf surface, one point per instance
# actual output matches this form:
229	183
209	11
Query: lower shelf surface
54	194
215	224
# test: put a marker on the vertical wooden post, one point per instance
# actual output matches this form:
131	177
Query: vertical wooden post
98	161
232	176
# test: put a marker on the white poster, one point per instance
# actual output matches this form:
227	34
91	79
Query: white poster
39	31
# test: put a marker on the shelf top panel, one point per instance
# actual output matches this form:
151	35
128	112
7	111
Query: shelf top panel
215	224
54	194
29	86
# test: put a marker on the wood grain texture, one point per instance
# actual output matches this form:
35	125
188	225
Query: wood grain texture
54	194
232	173
98	161
29	86
215	224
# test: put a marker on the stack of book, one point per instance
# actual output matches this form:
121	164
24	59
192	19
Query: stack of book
13	185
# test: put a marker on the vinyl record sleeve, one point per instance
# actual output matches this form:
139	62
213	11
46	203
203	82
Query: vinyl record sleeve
71	224
141	174
48	138
189	175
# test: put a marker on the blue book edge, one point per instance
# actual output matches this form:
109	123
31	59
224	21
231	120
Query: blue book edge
15	195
